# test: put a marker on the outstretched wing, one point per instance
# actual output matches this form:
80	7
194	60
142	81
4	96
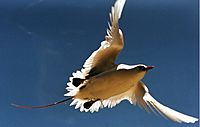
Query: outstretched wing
139	94
164	110
103	59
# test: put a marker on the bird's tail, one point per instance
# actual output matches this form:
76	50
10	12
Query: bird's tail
168	112
43	106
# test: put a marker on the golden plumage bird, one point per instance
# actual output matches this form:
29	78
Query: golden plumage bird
102	83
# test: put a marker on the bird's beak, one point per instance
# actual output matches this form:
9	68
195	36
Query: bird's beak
149	68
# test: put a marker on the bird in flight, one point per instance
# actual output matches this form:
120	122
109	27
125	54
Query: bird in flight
103	83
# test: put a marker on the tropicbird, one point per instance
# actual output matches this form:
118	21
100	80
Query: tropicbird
102	83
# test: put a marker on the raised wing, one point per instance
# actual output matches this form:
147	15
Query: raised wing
103	59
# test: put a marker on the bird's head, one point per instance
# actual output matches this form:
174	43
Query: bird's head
140	70
143	68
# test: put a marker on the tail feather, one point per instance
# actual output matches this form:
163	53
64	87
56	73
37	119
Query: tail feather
43	106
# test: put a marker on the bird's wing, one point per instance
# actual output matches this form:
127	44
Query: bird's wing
162	109
139	94
103	59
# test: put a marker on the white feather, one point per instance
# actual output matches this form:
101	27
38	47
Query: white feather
75	101
116	11
168	112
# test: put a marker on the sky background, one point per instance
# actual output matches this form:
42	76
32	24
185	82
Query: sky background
43	41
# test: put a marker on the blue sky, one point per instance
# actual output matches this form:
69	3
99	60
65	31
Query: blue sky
43	41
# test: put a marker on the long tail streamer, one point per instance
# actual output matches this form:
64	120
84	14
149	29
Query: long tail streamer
43	106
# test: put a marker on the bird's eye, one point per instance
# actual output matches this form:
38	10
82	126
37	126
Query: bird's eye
142	68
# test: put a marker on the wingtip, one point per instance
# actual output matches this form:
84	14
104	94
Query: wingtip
116	11
119	5
168	112
192	120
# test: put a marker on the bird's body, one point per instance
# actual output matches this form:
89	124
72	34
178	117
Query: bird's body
106	85
103	83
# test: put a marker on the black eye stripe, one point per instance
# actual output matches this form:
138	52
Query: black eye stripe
142	68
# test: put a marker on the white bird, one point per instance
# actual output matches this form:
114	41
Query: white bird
102	83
